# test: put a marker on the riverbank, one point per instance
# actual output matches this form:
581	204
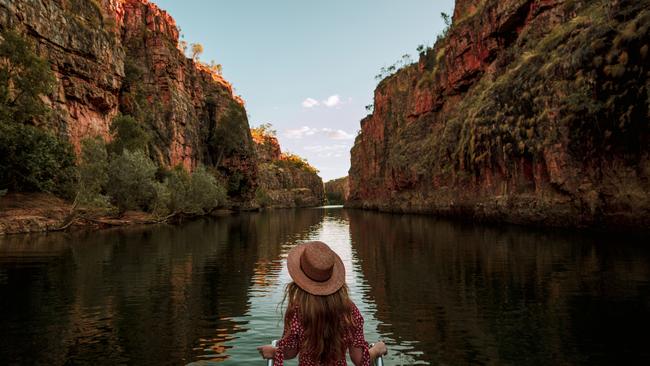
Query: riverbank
22	213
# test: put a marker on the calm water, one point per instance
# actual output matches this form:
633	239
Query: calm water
438	292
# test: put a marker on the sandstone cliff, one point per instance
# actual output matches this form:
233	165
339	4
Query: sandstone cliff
337	191
122	56
528	111
285	180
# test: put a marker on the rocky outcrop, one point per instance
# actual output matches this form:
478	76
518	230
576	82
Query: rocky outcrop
285	180
528	111
337	191
123	56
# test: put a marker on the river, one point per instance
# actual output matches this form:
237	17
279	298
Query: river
438	292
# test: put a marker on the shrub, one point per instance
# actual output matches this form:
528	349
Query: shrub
33	160
262	197
162	199
194	194
132	180
263	130
205	192
128	135
93	173
297	162
178	183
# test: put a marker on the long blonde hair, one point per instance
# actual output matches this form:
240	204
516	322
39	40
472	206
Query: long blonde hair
326	321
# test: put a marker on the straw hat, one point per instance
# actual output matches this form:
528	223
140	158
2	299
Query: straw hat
316	268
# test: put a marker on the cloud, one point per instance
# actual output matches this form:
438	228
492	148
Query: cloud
332	101
328	151
299	133
310	103
324	148
338	134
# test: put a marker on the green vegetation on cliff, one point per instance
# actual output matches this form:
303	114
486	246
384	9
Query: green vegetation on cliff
129	180
31	158
285	179
526	111
337	191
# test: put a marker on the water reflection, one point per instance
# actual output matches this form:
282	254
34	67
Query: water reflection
162	295
208	291
464	294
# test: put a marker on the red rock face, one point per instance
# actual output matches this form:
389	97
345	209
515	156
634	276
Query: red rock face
511	118
122	56
88	65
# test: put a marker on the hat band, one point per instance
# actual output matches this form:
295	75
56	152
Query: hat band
315	274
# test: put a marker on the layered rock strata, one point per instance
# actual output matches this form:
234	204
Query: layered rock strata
527	111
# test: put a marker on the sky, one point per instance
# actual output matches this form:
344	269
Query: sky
308	67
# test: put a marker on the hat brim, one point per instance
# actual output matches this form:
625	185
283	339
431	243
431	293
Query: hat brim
336	281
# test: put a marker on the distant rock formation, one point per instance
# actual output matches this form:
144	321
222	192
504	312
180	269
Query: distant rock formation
123	56
526	111
285	180
337	191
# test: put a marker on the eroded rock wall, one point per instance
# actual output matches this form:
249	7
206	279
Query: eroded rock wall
123	56
282	183
528	111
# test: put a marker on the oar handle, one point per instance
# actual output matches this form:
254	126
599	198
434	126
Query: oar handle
380	361
269	362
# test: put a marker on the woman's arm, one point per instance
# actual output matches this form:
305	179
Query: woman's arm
287	347
268	352
356	353
378	349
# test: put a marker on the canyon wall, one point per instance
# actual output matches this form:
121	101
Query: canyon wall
526	111
285	180
123	56
337	191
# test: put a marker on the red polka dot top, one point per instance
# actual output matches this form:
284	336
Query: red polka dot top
292	339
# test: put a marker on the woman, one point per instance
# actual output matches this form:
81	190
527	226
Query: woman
321	322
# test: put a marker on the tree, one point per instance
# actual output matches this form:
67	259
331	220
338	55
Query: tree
128	134
93	172
215	68
265	129
194	194
132	180
24	78
31	159
446	18
197	50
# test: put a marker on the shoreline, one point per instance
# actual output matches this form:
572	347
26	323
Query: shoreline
28	213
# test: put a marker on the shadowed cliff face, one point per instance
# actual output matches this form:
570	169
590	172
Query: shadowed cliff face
285	183
337	191
122	56
529	111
